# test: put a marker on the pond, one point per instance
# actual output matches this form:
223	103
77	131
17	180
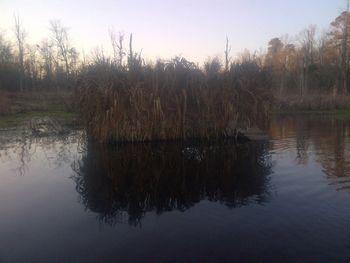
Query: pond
282	200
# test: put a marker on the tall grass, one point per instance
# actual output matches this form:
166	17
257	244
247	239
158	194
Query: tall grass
171	100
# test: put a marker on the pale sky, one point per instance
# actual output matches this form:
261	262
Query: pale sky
195	29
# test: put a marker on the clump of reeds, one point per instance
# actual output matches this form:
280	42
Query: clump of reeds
171	100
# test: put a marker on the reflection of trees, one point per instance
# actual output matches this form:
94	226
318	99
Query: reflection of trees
323	136
21	146
134	179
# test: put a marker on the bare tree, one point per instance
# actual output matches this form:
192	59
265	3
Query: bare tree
20	38
134	58
6	66
98	56
227	55
274	60
46	54
31	66
321	46
6	55
67	54
344	54
131	53
117	45
287	56
339	34
307	40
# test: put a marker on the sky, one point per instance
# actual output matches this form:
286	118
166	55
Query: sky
195	29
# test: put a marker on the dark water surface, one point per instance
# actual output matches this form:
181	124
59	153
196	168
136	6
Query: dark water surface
282	200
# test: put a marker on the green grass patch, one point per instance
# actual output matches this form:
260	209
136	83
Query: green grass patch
14	120
343	114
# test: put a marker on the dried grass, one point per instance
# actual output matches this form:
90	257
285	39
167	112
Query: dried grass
171	100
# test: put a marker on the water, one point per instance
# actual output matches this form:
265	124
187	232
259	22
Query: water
284	200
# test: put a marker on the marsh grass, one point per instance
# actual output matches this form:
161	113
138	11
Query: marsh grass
172	100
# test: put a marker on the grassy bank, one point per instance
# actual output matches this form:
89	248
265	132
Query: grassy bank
17	107
313	102
339	114
13	120
35	101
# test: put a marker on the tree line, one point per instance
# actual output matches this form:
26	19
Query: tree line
314	62
51	64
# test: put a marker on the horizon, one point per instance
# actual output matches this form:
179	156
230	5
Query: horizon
195	30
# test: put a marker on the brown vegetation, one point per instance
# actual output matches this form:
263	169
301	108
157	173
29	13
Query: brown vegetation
171	100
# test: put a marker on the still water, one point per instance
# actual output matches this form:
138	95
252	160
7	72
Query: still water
282	200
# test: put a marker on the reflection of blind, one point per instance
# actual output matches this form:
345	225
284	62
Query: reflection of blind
138	178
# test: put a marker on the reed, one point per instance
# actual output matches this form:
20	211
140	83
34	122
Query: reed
171	100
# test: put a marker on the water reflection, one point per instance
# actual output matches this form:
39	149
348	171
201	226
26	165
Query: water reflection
297	209
130	180
323	139
18	148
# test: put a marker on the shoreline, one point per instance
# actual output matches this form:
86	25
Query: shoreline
16	119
